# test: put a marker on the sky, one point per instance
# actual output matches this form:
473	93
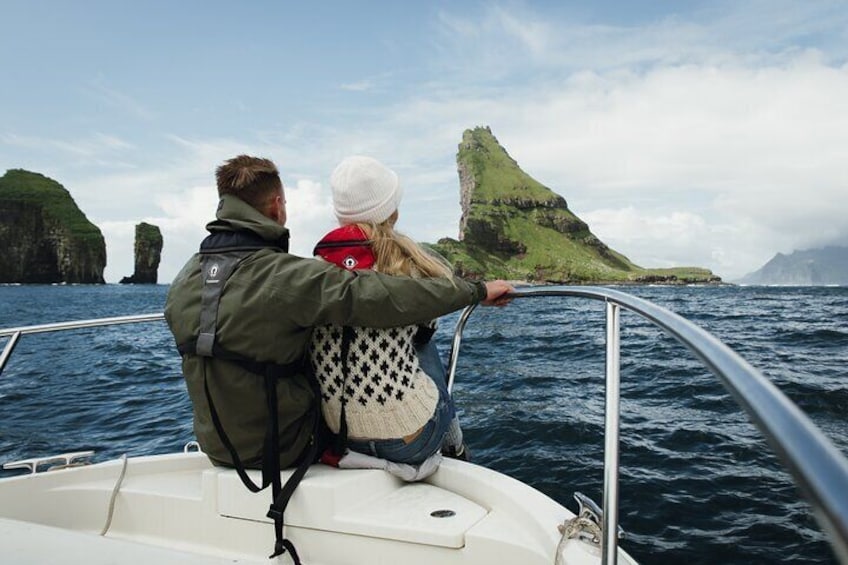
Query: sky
702	133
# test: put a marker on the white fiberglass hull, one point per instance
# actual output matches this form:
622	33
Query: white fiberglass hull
180	509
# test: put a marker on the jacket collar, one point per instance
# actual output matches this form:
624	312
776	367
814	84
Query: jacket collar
234	214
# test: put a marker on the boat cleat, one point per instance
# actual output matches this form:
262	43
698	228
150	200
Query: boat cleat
192	447
587	524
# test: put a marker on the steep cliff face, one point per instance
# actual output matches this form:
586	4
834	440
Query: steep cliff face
514	227
44	237
148	253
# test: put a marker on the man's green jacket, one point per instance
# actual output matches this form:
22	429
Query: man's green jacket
267	310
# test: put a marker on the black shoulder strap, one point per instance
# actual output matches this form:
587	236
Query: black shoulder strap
281	494
215	269
340	447
220	256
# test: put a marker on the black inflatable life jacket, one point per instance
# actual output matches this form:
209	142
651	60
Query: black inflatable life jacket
220	255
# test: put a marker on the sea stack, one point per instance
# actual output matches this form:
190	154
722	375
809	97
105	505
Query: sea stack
514	227
44	237
148	252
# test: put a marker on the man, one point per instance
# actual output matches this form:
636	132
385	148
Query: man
243	307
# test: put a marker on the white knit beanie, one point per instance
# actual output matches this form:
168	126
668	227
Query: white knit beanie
364	190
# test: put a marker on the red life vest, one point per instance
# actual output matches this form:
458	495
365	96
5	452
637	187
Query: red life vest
348	247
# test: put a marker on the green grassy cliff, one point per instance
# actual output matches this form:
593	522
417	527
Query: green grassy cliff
44	237
513	227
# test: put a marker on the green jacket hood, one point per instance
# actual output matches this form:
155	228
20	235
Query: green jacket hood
234	214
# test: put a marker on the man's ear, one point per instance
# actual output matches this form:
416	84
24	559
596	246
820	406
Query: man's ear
277	210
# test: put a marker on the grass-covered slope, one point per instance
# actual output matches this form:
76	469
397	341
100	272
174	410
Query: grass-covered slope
514	227
44	236
34	188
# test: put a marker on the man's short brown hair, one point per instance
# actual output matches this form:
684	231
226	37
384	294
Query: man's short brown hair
253	179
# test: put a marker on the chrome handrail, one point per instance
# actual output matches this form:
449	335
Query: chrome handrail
15	333
819	469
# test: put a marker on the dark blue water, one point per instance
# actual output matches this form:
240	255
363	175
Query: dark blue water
698	483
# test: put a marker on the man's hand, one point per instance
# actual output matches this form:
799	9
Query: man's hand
496	293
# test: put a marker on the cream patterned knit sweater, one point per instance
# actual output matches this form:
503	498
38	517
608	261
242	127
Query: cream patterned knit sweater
387	394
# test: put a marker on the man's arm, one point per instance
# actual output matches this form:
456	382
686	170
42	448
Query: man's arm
497	293
326	294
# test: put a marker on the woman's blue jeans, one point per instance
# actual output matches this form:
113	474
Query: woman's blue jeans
432	435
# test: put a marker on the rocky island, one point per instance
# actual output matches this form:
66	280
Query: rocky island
513	227
44	237
148	253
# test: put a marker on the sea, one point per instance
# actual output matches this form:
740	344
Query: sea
698	483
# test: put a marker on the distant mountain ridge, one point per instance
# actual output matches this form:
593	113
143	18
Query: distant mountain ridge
513	227
809	267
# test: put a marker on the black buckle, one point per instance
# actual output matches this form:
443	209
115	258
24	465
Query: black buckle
274	513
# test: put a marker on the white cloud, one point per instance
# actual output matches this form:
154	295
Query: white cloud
653	238
532	33
757	151
489	46
95	148
183	216
359	86
310	215
119	236
727	163
181	219
102	92
519	39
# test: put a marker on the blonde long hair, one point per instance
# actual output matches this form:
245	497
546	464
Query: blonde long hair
397	254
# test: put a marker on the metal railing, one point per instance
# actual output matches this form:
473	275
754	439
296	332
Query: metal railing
817	466
14	334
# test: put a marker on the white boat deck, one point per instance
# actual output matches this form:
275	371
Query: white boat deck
181	509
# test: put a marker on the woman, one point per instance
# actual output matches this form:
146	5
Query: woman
383	391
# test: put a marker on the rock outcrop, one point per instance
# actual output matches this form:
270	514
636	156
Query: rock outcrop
514	227
148	253
44	237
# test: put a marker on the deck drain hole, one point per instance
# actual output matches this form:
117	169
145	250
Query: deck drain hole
442	513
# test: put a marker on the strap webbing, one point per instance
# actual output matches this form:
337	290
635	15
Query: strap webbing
216	421
281	494
216	267
249	365
340	447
